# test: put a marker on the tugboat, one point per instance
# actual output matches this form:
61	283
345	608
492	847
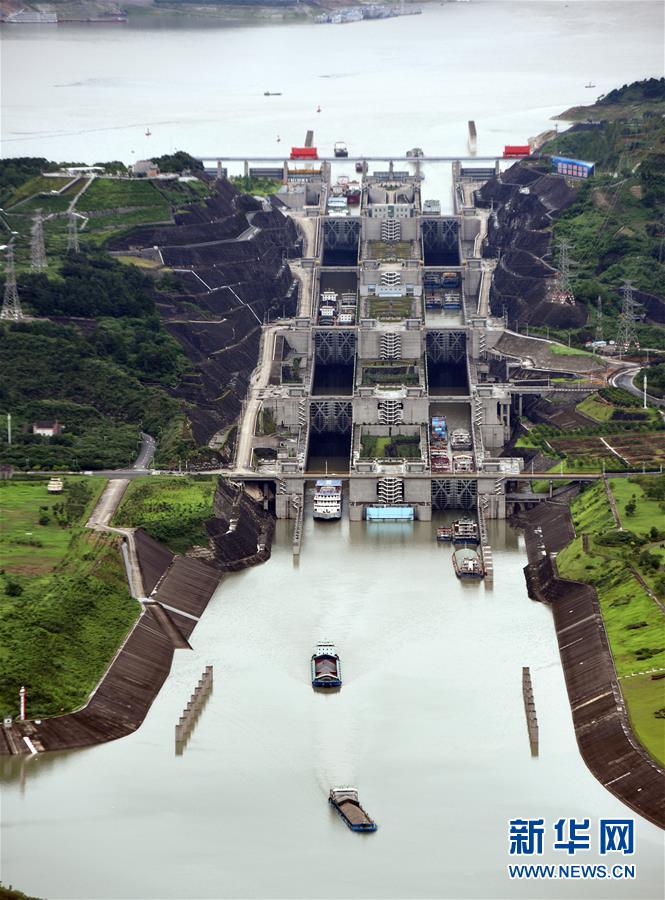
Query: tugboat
326	668
445	533
467	564
345	801
360	167
465	531
341	149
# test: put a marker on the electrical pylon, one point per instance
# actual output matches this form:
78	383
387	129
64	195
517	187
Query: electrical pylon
11	305
626	335
72	234
563	292
37	248
599	320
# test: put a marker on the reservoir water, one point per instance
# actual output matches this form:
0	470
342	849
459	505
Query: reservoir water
429	726
88	93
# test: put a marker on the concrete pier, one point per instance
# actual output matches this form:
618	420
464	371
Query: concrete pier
193	709
530	710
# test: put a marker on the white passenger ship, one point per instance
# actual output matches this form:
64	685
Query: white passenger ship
328	499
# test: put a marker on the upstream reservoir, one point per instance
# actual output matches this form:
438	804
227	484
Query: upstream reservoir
429	726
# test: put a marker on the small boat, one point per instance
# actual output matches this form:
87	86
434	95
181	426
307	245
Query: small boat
465	531
148	132
445	533
326	667
272	93
278	139
467	564
589	84
360	167
318	109
345	801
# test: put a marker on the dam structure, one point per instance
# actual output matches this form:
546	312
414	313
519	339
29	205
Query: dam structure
393	329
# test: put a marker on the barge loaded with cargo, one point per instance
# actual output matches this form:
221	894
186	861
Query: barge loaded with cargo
345	801
326	667
467	564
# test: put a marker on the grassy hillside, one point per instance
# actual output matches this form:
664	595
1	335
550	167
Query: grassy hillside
616	225
170	509
612	561
64	603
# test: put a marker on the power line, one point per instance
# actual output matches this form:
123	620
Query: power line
626	334
72	234
563	292
11	305
599	319
37	248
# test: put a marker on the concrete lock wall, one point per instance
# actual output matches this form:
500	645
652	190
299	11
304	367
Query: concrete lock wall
470	227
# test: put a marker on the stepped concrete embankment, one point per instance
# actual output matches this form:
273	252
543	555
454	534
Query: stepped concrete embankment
242	531
602	727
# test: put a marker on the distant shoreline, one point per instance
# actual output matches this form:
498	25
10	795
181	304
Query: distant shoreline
146	12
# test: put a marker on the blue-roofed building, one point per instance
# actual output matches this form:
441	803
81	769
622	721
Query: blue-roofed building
572	168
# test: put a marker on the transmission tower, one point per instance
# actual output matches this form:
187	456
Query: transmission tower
37	248
11	305
599	320
72	234
563	292
626	335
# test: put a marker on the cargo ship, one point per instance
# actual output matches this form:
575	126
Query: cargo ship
328	499
439	430
326	667
463	462
345	801
467	564
465	531
460	439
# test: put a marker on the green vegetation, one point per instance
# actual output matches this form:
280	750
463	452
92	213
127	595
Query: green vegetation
398	446
260	187
388	250
635	435
114	193
36	525
383	372
595	408
178	162
390	308
655	379
615	223
633	620
10	893
94	385
171	509
16	173
64	604
563	350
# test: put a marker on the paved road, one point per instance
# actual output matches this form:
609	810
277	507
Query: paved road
624	379
146	453
258	381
